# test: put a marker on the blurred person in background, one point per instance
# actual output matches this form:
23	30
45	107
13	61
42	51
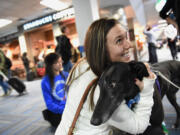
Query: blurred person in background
171	12
53	85
171	33
151	40
25	61
8	65
5	65
64	49
75	53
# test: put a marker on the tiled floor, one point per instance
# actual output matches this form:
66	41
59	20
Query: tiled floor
21	115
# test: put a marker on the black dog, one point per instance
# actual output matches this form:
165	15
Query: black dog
171	70
116	84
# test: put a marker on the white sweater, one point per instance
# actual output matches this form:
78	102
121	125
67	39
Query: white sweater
133	122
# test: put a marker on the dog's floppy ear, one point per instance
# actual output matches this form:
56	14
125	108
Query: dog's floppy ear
139	69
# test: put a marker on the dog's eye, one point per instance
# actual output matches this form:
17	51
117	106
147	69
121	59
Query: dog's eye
112	84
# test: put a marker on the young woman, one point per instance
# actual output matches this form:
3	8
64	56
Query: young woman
53	89
106	41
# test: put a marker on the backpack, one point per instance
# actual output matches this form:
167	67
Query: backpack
8	63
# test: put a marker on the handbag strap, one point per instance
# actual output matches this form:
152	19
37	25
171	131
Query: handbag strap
80	106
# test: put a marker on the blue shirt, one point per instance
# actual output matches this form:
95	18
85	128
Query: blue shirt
55	98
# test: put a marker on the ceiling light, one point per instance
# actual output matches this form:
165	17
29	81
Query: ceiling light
54	4
4	22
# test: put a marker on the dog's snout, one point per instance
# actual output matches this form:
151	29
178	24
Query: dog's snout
96	121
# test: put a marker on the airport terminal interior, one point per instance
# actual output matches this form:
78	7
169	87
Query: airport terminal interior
33	26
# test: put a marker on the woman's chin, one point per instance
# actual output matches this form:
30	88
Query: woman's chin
122	59
126	59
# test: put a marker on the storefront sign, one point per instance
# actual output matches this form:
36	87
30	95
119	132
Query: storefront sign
9	38
65	14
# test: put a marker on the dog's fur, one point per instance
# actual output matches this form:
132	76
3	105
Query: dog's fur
170	69
118	83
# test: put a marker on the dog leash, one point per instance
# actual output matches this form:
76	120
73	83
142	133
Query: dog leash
158	85
165	78
80	106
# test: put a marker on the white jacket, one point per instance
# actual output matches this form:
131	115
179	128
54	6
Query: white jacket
133	122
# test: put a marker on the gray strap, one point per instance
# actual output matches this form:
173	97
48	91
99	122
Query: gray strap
165	78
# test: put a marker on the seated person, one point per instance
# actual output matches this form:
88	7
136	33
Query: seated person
53	89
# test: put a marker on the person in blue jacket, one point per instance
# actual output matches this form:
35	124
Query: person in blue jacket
53	89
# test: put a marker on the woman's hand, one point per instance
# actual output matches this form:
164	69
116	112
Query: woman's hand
139	83
151	74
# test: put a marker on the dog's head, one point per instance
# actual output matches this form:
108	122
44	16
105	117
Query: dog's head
116	84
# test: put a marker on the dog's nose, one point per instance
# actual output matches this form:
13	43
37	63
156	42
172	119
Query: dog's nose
96	121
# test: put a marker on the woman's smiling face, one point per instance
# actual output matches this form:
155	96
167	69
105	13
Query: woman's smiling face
118	45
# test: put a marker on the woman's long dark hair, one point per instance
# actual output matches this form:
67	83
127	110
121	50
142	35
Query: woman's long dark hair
96	48
50	59
95	44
